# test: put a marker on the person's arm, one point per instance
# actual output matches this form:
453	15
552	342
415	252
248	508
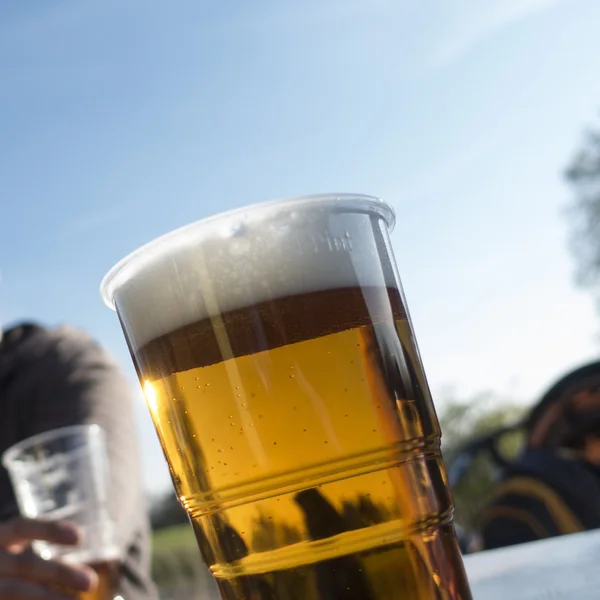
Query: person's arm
80	383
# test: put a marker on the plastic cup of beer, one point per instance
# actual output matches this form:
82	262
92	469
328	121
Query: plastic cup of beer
279	364
63	474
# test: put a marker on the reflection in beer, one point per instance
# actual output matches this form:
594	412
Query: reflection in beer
339	577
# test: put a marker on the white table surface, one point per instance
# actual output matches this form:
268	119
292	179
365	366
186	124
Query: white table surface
561	568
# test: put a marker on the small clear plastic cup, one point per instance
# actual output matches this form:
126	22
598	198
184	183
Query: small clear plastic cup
63	475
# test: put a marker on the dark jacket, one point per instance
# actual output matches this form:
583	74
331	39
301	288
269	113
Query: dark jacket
51	378
546	493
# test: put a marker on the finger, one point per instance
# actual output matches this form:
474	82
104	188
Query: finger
33	568
15	589
21	529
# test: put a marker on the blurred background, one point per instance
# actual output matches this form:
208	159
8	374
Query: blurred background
477	120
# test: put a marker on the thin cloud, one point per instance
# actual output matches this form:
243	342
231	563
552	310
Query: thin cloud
476	21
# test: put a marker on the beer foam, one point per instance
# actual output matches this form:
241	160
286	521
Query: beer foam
247	257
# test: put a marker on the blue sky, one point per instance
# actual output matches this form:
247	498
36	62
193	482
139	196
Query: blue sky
120	121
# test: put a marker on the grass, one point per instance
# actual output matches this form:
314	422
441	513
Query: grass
175	537
175	557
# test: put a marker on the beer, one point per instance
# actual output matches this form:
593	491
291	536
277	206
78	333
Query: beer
108	583
291	404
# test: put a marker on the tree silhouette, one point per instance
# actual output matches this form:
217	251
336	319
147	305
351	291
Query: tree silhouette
268	534
363	512
463	421
167	511
583	175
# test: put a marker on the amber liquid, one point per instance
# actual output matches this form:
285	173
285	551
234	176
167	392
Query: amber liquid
108	583
108	580
302	441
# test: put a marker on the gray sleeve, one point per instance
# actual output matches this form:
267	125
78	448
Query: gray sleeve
82	384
